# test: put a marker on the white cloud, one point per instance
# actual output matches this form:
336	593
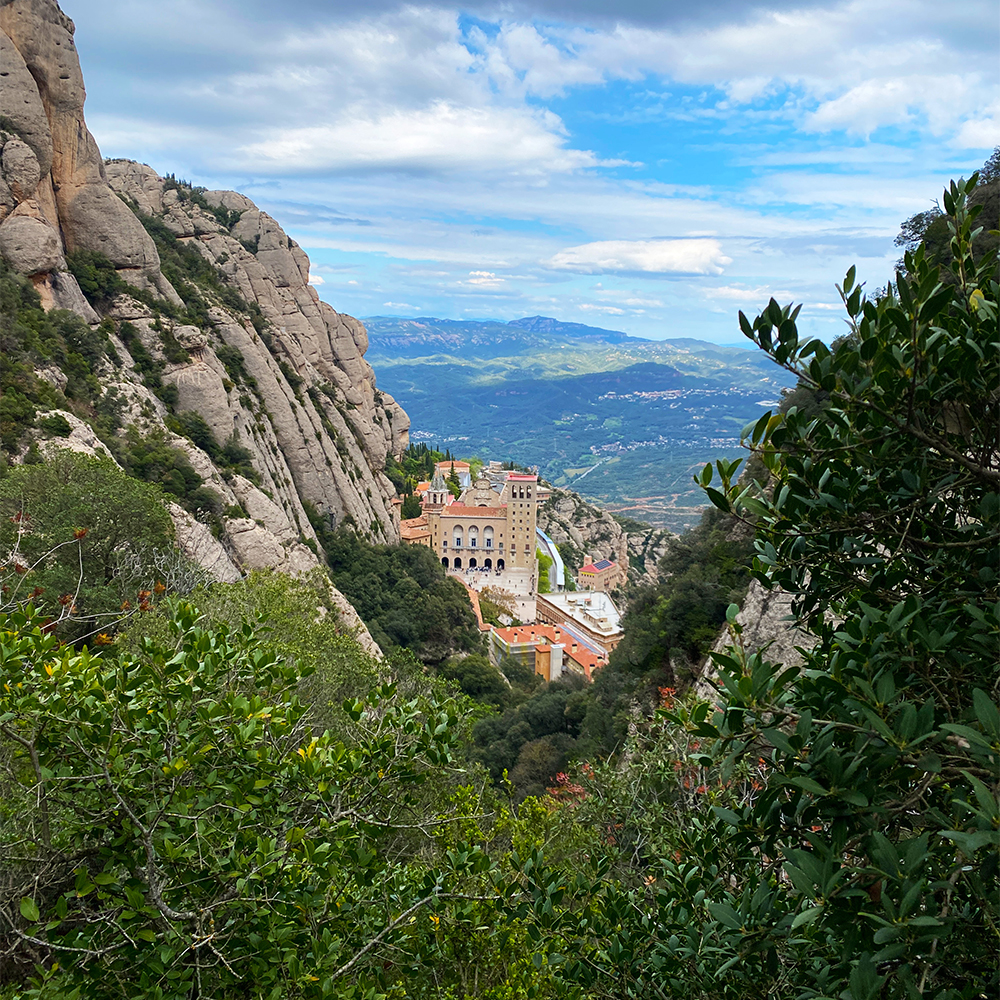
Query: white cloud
608	310
737	293
442	137
400	305
315	279
980	133
893	101
854	65
698	256
486	279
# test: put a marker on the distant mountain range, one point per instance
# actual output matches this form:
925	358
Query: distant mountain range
622	420
482	338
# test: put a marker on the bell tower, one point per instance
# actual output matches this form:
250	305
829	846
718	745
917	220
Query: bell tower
520	494
439	494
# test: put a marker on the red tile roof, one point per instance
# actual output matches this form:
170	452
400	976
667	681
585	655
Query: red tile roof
598	567
543	636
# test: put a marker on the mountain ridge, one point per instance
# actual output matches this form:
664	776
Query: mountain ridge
205	341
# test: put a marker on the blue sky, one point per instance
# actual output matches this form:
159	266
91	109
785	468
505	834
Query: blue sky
640	166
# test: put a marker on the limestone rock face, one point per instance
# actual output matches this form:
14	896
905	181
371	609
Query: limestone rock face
314	419
646	548
21	169
583	533
349	617
51	158
21	104
198	543
291	408
29	245
81	439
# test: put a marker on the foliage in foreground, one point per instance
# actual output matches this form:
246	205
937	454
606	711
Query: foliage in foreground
846	845
170	829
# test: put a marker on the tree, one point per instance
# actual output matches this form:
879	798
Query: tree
494	602
411	507
454	486
544	565
76	530
845	840
929	229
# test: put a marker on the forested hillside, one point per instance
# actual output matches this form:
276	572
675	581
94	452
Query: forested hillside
210	789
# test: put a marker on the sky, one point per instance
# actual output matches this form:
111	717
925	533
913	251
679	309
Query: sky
651	167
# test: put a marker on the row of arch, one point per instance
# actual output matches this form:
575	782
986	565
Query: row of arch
474	537
456	563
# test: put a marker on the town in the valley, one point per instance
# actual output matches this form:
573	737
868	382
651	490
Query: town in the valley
488	537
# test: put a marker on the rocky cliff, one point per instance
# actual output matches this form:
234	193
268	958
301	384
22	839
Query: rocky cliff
584	534
768	625
215	342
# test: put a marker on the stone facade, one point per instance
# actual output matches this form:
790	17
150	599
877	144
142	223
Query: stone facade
484	528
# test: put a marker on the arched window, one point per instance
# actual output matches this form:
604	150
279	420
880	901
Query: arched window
488	563
458	536
472	563
500	564
458	563
473	536
444	562
488	536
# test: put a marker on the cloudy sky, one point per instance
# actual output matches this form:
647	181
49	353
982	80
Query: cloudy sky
645	166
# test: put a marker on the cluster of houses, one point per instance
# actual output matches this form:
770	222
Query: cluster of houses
488	536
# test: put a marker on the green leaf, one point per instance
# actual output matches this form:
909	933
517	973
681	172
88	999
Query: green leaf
733	819
807	784
29	910
807	916
987	713
718	499
725	914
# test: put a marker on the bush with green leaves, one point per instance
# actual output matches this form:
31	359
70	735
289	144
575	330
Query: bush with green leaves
864	863
303	624
31	339
402	594
68	526
171	828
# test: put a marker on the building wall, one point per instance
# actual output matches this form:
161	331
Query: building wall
603	582
520	494
551	613
507	519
